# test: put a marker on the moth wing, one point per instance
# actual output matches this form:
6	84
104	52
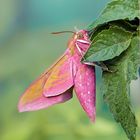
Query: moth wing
85	88
33	98
60	78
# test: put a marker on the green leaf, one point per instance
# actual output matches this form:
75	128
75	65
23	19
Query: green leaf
117	84
127	25
118	9
108	44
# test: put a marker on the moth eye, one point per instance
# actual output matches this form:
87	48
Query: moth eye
80	36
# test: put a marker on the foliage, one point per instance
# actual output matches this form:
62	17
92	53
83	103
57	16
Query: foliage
115	42
118	9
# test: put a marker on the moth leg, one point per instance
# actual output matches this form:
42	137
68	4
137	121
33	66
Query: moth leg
104	67
88	63
80	51
100	64
82	55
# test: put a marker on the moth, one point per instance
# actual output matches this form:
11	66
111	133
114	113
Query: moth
57	83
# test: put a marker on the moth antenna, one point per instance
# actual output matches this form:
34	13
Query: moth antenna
61	32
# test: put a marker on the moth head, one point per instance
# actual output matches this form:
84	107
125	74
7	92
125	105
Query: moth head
82	36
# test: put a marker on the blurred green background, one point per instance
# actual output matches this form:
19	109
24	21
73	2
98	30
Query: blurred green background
26	49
